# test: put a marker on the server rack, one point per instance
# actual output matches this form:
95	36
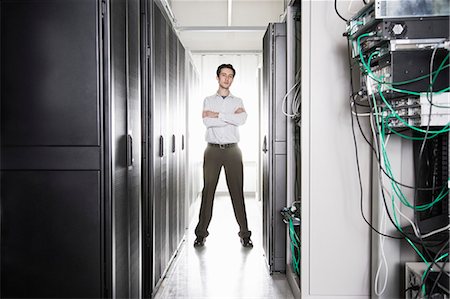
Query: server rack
159	155
86	130
54	182
182	212
129	209
70	149
273	127
172	128
164	117
398	50
147	147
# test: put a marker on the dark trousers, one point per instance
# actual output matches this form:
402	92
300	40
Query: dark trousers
231	159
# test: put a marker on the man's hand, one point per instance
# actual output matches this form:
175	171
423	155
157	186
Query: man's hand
239	110
208	113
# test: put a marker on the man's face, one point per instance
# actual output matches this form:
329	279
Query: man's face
225	78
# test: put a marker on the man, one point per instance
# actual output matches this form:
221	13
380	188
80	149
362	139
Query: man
222	114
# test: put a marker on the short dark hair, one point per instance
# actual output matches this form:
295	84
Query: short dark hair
225	66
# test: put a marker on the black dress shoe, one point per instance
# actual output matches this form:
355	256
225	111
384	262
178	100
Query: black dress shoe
199	242
246	242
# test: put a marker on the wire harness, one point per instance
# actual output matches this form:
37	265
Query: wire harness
291	216
415	109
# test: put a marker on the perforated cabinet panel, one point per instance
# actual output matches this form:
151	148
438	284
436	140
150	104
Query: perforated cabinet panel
50	73
51	182
50	234
159	102
173	126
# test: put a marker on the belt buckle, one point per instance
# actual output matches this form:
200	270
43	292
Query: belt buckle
222	146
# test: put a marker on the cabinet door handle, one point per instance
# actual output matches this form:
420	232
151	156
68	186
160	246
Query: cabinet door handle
182	142
173	143
129	150
265	145
161	146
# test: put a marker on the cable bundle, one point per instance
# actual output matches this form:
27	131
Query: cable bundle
385	120
291	216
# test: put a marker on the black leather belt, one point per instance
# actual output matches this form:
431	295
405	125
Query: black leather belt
223	146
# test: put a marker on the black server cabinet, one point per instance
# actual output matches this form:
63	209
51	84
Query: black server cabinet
118	138
53	219
164	118
134	146
70	146
123	118
160	148
181	146
273	129
148	148
173	126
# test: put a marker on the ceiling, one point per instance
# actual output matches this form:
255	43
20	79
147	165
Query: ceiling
223	26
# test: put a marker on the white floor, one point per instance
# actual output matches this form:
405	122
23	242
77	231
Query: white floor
223	268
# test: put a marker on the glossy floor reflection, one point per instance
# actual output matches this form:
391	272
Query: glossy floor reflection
223	268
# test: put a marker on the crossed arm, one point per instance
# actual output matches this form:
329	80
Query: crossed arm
215	119
212	114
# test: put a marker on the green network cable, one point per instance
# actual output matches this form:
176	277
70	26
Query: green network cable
410	137
397	224
395	187
436	72
415	93
389	85
397	192
433	80
295	247
371	56
394	113
445	129
386	125
380	80
428	269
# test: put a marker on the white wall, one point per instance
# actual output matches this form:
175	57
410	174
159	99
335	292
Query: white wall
245	86
335	239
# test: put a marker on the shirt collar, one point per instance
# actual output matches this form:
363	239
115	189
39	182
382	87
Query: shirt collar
229	95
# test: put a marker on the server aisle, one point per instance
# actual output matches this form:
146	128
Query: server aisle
94	196
223	268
